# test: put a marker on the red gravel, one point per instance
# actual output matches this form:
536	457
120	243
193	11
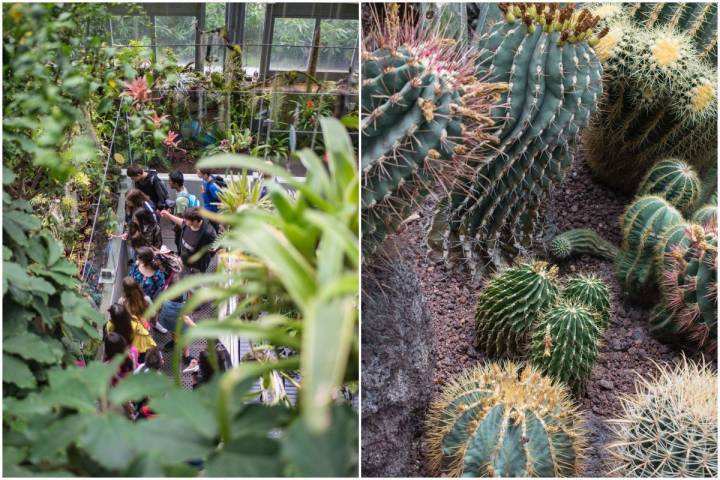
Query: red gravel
627	349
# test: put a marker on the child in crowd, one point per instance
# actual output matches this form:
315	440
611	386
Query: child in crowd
183	201
130	329
147	273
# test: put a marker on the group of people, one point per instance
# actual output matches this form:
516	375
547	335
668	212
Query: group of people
155	267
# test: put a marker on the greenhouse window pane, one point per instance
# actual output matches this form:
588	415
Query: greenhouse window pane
287	33
338	39
214	15
135	27
253	35
179	34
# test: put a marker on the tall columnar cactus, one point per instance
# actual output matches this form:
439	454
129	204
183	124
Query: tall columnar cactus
687	259
642	226
659	102
590	291
424	115
511	303
565	343
495	421
675	181
581	240
696	20
543	53
669	427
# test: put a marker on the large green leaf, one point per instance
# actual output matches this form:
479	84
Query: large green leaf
33	347
247	456
110	441
135	387
176	438
17	372
51	443
187	407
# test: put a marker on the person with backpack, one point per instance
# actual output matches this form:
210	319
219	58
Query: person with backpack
183	201
146	272
197	234
212	186
148	182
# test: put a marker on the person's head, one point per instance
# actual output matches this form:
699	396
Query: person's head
206	369
136	173
177	180
192	217
134	296
146	258
120	318
143	217
154	359
114	345
135	198
137	239
204	173
268	176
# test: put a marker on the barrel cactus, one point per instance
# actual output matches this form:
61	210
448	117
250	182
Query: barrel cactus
642	227
424	117
669	427
687	313
706	215
565	343
497	421
543	53
675	181
590	291
660	101
511	303
581	241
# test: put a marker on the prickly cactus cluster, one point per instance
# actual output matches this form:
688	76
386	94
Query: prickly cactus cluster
496	421
544	53
425	115
669	427
660	91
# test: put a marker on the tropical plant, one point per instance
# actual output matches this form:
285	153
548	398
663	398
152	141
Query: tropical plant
242	192
498	421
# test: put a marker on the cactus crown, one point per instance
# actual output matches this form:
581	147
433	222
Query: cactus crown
669	427
496	421
573	26
591	292
675	181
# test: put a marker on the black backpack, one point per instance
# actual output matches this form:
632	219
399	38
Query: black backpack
163	187
220	181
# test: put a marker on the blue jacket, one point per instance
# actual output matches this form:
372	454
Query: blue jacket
210	195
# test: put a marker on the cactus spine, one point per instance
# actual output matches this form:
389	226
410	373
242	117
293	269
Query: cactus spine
659	102
510	304
675	181
669	427
591	292
423	117
581	240
564	344
495	421
542	52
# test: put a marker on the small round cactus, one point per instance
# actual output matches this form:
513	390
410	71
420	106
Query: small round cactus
510	304
496	421
675	181
591	292
669	427
565	343
581	240
706	216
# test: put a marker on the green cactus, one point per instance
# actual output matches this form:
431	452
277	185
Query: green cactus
565	343
696	20
642	226
675	181
659	102
668	428
542	52
510	304
423	116
581	240
590	291
687	260
705	215
496	421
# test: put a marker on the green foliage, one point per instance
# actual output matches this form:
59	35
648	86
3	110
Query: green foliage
675	181
591	292
555	83
242	192
565	343
495	421
661	99
419	121
669	427
581	241
510	304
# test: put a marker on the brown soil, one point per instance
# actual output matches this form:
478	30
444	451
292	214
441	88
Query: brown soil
627	349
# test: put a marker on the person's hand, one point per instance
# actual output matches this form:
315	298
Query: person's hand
124	236
164	213
193	363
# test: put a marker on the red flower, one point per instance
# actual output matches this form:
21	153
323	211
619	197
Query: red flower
157	121
170	140
138	90
310	104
